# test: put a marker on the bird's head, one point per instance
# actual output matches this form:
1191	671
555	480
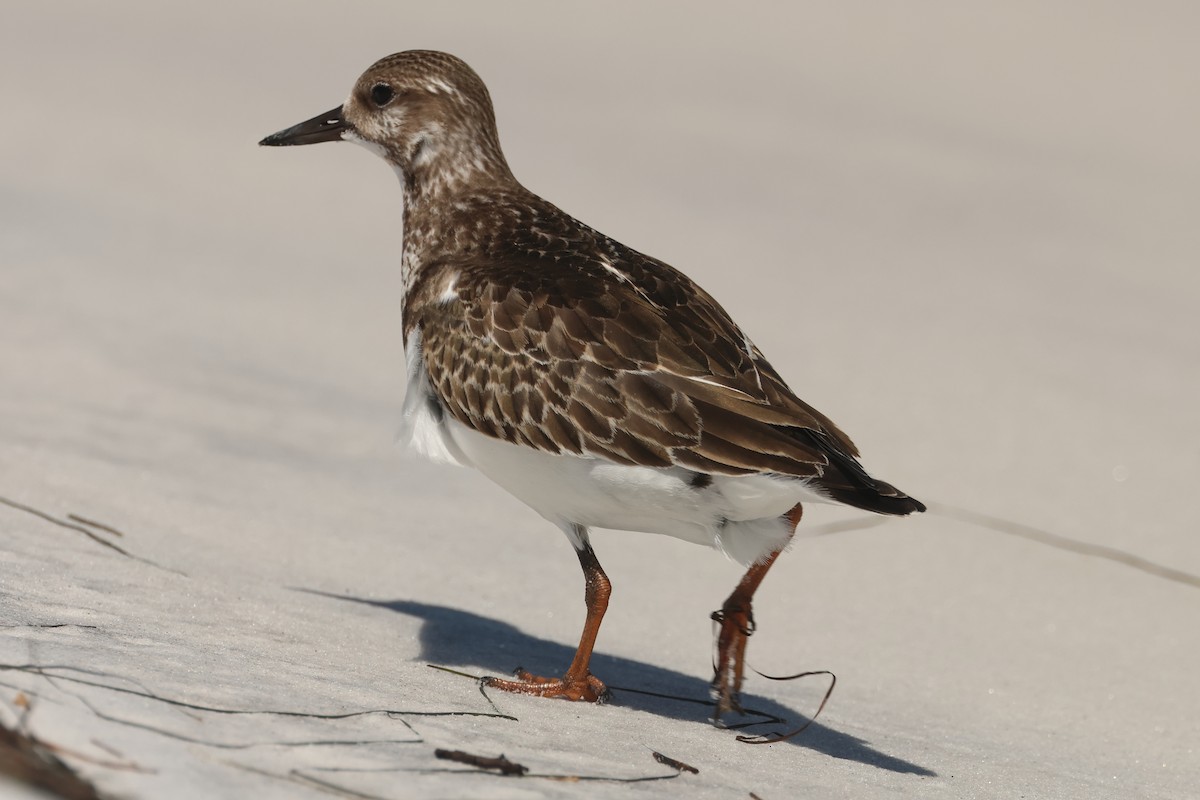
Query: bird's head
425	112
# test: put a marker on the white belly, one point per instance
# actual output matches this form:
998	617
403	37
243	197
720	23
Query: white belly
740	515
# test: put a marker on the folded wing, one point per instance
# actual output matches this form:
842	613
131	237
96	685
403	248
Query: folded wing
616	355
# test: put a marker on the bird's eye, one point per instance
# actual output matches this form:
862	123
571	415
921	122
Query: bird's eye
382	94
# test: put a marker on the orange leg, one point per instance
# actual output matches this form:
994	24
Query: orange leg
578	683
736	619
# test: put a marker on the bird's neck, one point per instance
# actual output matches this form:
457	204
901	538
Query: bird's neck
436	168
447	205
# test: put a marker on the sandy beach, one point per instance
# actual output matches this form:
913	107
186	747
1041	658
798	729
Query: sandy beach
968	237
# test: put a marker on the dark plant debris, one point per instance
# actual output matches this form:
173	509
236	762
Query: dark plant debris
671	762
773	738
86	531
499	763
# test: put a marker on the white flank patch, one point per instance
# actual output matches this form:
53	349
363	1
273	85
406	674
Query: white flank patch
422	428
752	540
749	497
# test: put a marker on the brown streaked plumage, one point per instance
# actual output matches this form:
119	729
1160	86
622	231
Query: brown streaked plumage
644	368
597	384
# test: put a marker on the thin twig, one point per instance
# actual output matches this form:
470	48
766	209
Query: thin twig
772	738
46	672
91	523
498	763
72	526
65	524
482	689
50	625
247	746
671	762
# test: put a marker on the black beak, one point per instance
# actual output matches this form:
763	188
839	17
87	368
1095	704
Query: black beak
327	127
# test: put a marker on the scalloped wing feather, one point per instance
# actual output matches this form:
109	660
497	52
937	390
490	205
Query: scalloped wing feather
598	350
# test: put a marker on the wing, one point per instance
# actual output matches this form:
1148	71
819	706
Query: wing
584	360
597	350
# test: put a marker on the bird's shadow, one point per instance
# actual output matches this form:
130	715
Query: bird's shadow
452	636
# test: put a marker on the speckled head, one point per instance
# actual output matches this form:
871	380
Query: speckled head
426	112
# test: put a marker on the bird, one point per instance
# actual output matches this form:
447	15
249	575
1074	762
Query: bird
598	385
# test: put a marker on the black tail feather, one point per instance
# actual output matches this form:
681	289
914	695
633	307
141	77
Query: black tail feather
883	498
846	481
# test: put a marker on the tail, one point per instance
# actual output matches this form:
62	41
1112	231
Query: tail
845	481
880	497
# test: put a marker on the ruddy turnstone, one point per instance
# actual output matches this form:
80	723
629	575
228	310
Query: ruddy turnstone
598	385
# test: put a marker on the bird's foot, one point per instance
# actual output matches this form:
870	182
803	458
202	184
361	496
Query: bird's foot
587	688
736	625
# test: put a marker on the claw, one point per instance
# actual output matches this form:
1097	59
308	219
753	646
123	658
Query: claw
589	688
736	627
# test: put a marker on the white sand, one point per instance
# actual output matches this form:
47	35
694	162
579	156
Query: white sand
971	239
